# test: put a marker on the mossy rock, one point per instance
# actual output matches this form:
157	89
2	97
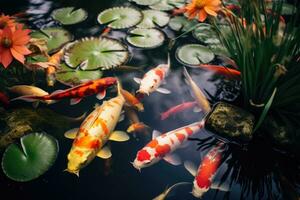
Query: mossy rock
230	122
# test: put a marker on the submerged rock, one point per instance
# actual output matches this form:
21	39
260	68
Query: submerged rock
18	122
230	122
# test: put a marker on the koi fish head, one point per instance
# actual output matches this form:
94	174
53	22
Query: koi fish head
198	192
148	86
143	159
77	160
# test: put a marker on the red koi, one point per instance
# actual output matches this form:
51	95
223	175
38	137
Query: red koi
222	70
178	108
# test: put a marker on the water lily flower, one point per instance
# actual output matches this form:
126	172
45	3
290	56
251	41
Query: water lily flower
203	8
13	44
6	21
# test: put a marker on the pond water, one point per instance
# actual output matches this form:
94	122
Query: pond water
251	174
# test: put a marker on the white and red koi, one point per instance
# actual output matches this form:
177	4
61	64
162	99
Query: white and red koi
198	94
178	108
93	134
206	171
163	145
152	80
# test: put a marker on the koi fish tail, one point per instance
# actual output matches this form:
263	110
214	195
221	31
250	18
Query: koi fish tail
119	85
27	98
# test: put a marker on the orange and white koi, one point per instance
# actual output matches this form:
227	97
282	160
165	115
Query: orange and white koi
152	80
198	94
137	127
94	133
178	108
162	146
76	93
222	70
132	100
206	171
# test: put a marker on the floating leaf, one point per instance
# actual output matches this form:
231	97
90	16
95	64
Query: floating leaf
69	15
146	2
181	23
145	38
194	54
154	18
166	5
71	77
103	53
55	37
32	158
205	33
120	17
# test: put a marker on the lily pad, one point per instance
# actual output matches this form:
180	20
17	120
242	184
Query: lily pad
32	158
120	17
55	37
97	53
181	23
153	18
219	49
69	15
145	2
145	38
72	77
194	54
205	33
166	5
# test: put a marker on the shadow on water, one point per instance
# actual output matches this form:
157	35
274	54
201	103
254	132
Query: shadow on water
256	171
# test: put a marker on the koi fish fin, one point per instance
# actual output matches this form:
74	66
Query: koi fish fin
197	109
56	92
121	118
119	136
71	134
25	98
184	145
137	80
75	101
187	76
218	186
173	159
163	91
104	153
190	167
101	95
155	134
35	104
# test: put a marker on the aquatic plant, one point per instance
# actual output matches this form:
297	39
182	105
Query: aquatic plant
25	162
265	47
194	54
153	18
6	21
69	15
13	44
145	38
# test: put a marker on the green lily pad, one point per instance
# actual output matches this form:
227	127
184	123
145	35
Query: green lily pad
69	15
194	54
72	77
166	5
181	23
205	33
145	38
32	158
219	49
55	37
145	2
98	53
153	18
120	17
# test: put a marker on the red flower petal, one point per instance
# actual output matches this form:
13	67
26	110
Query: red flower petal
6	58
21	49
17	56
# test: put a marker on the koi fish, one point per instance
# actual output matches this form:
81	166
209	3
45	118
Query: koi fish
178	108
152	80
76	93
4	100
198	94
165	193
105	31
206	172
132	100
162	146
29	90
137	127
93	134
222	70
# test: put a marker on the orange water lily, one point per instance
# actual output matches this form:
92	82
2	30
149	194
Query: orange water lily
13	44
6	21
202	8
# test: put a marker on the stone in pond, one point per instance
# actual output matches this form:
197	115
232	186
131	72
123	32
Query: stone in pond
230	122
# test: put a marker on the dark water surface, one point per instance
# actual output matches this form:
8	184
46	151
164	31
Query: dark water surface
251	175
